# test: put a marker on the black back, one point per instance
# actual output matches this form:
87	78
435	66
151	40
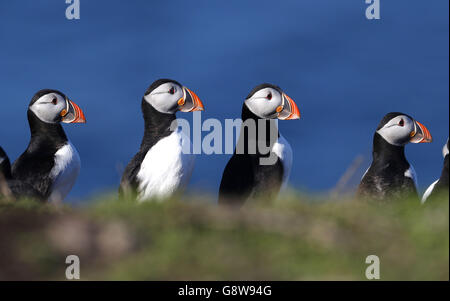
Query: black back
385	177
157	126
33	167
244	177
19	190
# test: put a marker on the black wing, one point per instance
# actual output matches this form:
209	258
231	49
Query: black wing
442	184
129	183
387	184
237	181
18	189
34	169
22	190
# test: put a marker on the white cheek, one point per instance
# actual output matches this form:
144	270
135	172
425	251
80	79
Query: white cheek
263	108
47	112
388	136
396	135
164	103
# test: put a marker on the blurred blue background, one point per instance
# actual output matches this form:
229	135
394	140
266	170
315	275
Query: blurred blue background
344	71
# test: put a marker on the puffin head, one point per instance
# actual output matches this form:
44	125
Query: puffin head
268	101
399	129
168	97
53	107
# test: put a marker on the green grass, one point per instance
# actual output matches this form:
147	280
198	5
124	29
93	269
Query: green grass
293	239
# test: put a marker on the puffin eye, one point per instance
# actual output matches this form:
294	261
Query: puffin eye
401	122
172	90
269	96
54	101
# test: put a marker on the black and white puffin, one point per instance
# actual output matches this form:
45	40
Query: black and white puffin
50	164
390	175
440	185
164	164
247	175
14	188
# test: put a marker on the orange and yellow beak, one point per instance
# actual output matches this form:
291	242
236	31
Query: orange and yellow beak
72	113
190	102
288	110
420	134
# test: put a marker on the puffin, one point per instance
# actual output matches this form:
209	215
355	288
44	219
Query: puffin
262	160
440	185
391	176
164	164
13	188
51	164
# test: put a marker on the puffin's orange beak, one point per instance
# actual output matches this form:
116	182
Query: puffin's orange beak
288	110
73	113
420	134
190	102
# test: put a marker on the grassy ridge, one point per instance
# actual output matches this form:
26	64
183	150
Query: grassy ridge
288	240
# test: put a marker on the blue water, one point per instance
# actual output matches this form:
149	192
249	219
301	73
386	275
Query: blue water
343	71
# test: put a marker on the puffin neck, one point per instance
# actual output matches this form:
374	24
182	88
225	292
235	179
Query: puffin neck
383	151
270	126
157	125
45	133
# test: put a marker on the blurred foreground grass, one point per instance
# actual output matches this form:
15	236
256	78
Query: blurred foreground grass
293	239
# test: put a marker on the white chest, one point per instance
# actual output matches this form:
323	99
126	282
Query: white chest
283	150
428	192
166	168
411	173
65	172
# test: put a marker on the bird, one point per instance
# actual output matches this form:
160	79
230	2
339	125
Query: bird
440	185
51	164
390	175
163	165
13	188
262	160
